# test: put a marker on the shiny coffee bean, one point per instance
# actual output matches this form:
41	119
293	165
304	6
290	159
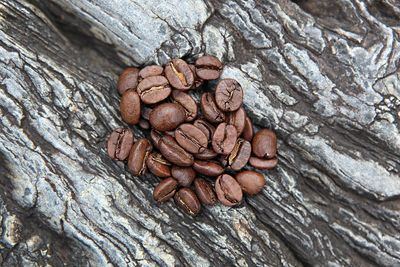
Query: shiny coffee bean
138	155
237	118
228	190
197	81
155	137
229	95
187	200
174	153
130	107
165	190
184	175
158	165
248	131
144	124
148	71
179	74
263	164
167	116
251	182
264	144
191	138
208	168
210	110
240	155
224	138
205	192
128	80
153	89
208	68
207	128
187	102
207	154
120	143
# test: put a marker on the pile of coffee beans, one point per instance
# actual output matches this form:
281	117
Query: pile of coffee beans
199	151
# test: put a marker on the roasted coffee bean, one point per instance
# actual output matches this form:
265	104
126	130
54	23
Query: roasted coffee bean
174	153
205	192
240	155
251	182
144	124
191	138
263	164
155	137
228	190
248	131
158	165
237	118
179	74
153	89
120	143
138	155
224	138
205	127
128	80
208	68
130	107
209	168
210	110
187	200
184	175
146	113
187	102
264	144
167	116
207	154
229	95
153	70
197	81
165	190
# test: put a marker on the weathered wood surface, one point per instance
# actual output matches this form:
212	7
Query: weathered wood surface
324	74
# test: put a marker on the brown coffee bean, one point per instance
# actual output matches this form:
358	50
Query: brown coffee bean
207	128
248	131
138	155
228	95
128	80
187	200
209	168
197	81
263	164
208	68
155	137
187	102
224	138
153	89
158	165
179	74
120	143
264	144
237	118
184	175
191	138
228	190
130	107
165	190
251	182
144	124
240	155
205	192
167	116
207	154
148	71
174	153
210	110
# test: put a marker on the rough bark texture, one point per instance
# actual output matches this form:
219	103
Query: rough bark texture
324	74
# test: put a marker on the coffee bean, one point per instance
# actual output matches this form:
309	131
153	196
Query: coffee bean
224	138
155	137
207	154
138	155
209	168
191	138
184	175
210	110
237	118
208	68
144	124
205	192
128	80
248	131
264	144
153	70
263	164
130	107
229	95
120	143
158	165
165	190
179	74
167	116
205	127
174	153
197	81
251	182
228	190
240	155
187	102
153	89
187	200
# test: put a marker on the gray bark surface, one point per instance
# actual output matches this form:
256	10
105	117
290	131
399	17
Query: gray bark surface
325	75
